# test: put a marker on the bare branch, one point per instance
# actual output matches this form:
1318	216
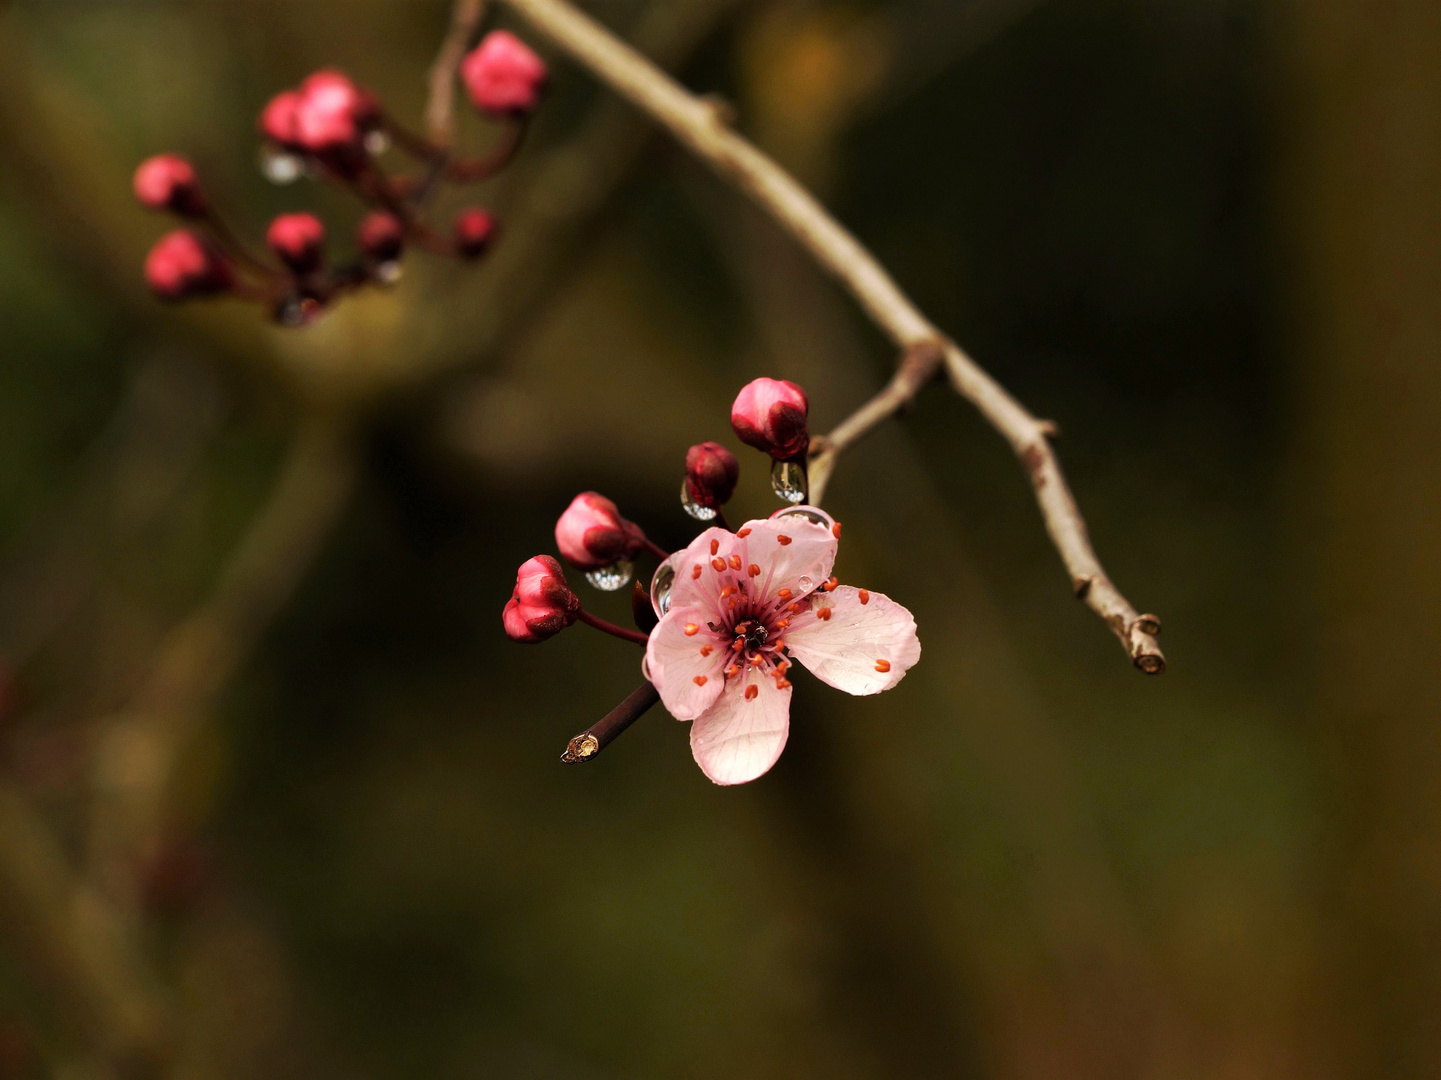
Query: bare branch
465	16
700	126
599	735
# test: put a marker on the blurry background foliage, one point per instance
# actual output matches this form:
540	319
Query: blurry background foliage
1201	235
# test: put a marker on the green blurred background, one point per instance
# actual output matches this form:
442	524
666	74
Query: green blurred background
278	798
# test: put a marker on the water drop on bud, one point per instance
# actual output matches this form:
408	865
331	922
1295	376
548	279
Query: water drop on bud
279	167
788	479
377	142
612	577
388	273
693	508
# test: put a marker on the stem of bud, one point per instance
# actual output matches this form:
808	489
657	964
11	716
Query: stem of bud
611	628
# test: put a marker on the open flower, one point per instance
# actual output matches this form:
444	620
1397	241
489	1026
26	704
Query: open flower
743	607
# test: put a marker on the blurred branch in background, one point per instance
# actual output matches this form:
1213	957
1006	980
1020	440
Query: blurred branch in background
439	115
700	124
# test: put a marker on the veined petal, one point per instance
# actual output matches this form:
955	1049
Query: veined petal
793	554
865	646
712	561
738	738
686	662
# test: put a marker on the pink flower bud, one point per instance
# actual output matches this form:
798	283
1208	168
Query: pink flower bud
542	604
381	236
298	240
473	230
770	414
591	533
711	472
334	90
182	265
168	182
279	120
503	76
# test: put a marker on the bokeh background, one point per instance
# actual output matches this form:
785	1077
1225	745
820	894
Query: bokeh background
277	797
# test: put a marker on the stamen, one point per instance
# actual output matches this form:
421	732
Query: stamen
783	684
751	691
836	530
782	624
753	570
717	564
883	666
795	608
784	594
865	596
706	650
783	540
744	532
824	614
714	546
783	665
830	585
691	629
727	590
732	671
700	680
735	561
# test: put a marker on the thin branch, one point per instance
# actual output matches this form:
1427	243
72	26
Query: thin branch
700	126
465	16
919	364
603	732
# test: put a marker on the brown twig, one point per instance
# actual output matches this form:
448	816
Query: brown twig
599	735
465	16
701	127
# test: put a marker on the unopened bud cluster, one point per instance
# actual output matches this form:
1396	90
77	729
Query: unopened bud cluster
328	126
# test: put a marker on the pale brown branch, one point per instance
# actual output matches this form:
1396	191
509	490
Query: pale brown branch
700	126
465	16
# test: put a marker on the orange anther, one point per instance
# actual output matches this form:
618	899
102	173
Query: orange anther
783	540
824	614
727	590
695	571
752	691
785	594
783	684
782	624
691	629
718	563
733	671
830	585
883	666
743	533
865	596
706	650
714	546
796	608
735	561
753	570
700	680
836	530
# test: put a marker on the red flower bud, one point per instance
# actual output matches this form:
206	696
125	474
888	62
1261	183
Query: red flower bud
279	120
503	76
182	265
770	414
168	182
591	533
298	240
381	236
711	472
473	231
542	604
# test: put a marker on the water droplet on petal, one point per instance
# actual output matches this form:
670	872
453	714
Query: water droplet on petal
612	577
377	142
645	668
788	479
388	273
807	513
279	167
806	584
693	508
660	585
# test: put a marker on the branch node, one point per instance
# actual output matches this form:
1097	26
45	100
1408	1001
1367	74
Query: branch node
1082	586
722	112
1049	428
1148	624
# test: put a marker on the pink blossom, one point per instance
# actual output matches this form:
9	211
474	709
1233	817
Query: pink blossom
298	240
503	76
770	414
182	265
473	231
591	533
711	472
743	607
542	604
168	182
381	236
279	121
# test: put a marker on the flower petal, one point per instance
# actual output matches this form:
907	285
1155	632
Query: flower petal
861	648
676	660
740	738
793	554
713	560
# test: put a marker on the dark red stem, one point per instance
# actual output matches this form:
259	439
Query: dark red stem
611	628
604	731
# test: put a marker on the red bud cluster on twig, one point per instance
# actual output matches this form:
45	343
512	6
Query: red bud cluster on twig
329	126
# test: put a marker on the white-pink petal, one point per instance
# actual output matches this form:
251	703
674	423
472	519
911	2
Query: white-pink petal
740	738
686	660
792	553
703	589
862	648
